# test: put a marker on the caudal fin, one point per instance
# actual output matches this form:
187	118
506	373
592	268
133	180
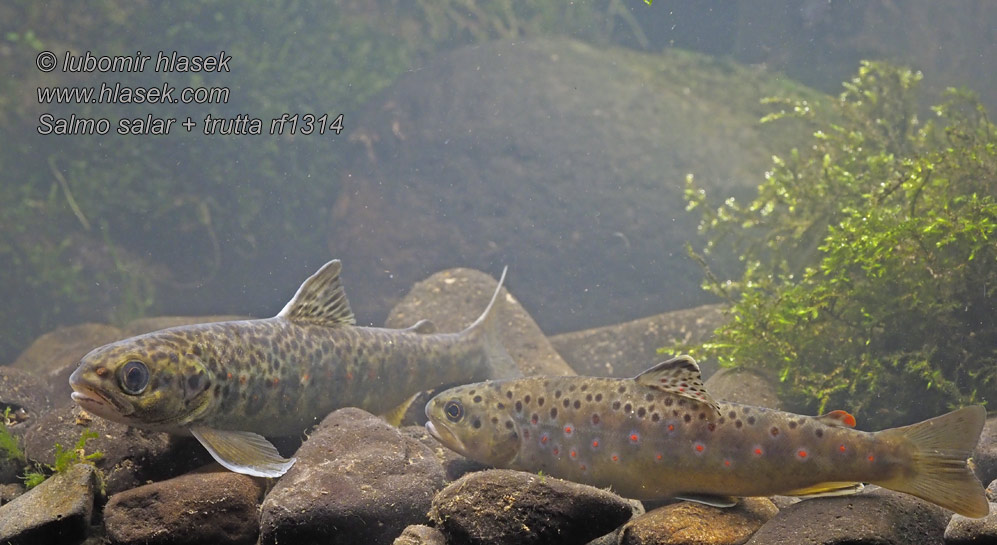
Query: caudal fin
501	365
940	447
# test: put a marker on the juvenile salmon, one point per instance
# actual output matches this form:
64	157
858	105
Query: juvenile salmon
661	435
230	383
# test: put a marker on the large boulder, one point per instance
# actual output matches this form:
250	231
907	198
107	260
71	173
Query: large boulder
56	511
564	161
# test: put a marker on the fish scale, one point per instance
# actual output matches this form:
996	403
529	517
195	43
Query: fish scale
228	383
661	435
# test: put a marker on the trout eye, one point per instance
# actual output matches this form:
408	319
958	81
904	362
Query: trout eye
134	377
454	410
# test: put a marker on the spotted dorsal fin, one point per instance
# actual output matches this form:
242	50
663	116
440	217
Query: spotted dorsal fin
321	299
679	376
840	419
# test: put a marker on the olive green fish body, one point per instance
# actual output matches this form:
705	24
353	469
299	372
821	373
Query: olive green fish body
228	383
650	439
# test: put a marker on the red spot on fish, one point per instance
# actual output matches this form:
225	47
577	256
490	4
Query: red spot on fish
758	451
595	444
659	457
700	447
681	389
242	379
671	427
567	430
544	438
275	381
726	463
583	467
556	451
842	448
305	377
101	371
228	376
872	458
802	453
616	458
634	438
574	454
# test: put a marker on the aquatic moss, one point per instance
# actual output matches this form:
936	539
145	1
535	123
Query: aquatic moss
10	449
64	459
869	253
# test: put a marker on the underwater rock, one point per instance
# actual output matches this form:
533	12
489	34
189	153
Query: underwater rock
454	464
10	491
130	456
967	531
356	480
985	455
613	538
56	511
215	506
744	386
628	349
502	506
65	346
155	323
453	298
688	523
421	535
24	392
874	517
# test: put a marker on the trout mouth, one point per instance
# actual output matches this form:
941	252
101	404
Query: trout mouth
98	403
447	438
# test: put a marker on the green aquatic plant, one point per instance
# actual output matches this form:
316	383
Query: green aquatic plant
869	254
64	459
10	449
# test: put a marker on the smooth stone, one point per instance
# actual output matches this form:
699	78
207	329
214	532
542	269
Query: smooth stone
688	523
140	326
130	456
10	491
627	349
356	480
876	516
420	534
499	506
985	455
56	511
967	531
745	386
454	298
215	506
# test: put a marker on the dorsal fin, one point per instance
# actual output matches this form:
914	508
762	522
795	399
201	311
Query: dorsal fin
839	419
679	376
321	299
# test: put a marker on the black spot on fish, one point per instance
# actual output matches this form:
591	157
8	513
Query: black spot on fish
598	397
494	420
616	405
578	404
508	394
553	412
477	399
751	421
508	424
641	412
655	417
774	431
669	401
628	408
702	416
585	387
540	401
471	392
535	418
588	397
792	424
621	389
681	402
819	433
711	426
738	424
572	388
526	399
732	414
519	406
557	394
595	419
687	417
500	405
566	402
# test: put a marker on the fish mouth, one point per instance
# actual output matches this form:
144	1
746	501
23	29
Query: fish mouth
98	403
447	438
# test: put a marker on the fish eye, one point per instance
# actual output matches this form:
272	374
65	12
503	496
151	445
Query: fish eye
134	377
454	410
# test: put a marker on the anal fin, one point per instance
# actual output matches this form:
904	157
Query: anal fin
826	490
709	499
243	452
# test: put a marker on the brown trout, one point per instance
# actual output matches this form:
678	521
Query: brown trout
660	435
231	383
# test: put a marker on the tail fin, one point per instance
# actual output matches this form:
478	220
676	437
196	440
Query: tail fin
940	447
500	363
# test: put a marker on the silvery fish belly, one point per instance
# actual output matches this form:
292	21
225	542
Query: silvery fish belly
661	435
230	383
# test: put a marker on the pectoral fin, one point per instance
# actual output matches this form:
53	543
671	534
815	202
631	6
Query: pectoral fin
707	499
243	452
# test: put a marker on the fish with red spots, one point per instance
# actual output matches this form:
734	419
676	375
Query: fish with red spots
661	435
